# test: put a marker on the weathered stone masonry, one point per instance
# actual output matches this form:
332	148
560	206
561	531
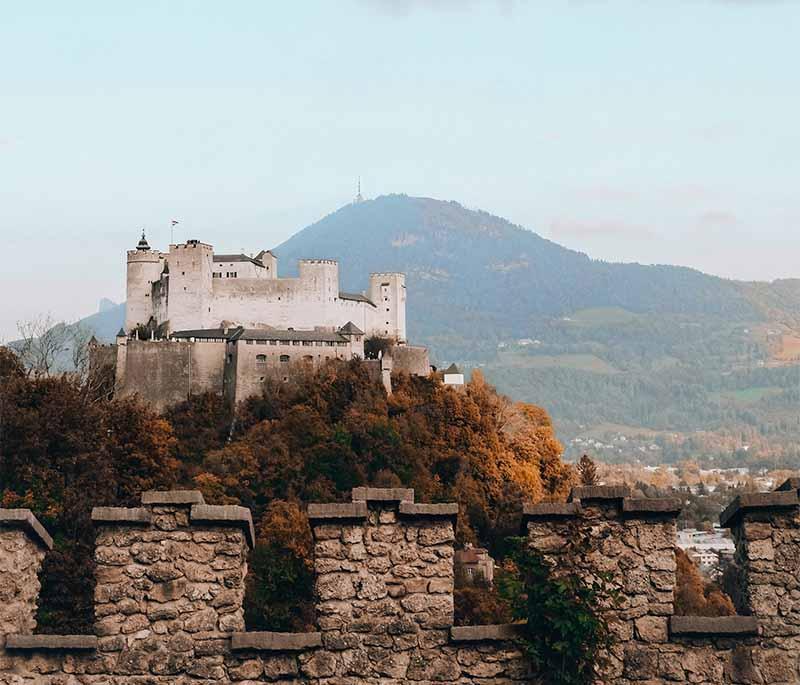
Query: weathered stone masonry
170	586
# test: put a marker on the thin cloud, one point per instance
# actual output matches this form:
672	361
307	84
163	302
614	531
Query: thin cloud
587	229
717	219
401	8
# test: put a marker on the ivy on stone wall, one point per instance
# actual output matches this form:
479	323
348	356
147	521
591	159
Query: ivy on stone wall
564	633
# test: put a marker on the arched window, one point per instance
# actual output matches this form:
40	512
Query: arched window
261	360
285	358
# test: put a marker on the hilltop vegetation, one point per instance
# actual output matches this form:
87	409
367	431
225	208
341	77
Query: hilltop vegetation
65	448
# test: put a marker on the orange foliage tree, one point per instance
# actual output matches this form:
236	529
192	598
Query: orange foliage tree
694	596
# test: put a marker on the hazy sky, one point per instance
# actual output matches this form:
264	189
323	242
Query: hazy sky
659	131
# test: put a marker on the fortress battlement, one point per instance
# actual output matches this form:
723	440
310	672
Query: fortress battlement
319	261
191	287
170	579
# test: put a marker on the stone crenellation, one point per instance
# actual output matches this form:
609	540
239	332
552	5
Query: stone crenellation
170	578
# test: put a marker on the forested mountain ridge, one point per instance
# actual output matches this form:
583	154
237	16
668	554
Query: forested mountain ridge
485	279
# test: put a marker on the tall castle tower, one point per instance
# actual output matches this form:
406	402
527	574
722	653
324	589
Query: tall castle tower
144	269
190	288
388	292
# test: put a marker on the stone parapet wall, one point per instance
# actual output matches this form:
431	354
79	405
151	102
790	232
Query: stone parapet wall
634	539
170	587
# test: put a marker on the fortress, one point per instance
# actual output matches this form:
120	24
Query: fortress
200	322
170	585
191	288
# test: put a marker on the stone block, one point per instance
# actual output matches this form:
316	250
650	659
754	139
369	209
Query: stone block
225	515
25	520
545	510
713	625
327	512
364	494
758	502
599	492
61	643
448	510
275	642
121	516
172	497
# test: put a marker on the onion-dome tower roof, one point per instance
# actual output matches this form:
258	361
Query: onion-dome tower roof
143	245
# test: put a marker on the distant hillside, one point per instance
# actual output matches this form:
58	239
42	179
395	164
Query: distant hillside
698	365
482	279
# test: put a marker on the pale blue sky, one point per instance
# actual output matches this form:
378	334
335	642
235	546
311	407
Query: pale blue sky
660	131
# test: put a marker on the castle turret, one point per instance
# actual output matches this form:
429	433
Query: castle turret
190	288
270	262
321	277
388	292
144	269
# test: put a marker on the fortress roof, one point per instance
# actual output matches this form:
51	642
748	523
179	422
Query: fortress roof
232	334
237	258
356	297
351	329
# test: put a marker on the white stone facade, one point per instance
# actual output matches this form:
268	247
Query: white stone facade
191	288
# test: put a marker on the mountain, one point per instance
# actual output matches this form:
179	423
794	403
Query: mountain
483	278
652	362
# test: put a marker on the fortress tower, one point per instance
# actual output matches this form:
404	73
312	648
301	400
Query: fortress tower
320	276
144	269
388	292
190	288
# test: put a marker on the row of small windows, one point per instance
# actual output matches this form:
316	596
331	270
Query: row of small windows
298	343
261	359
228	274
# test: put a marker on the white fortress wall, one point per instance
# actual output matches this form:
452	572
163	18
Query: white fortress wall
192	288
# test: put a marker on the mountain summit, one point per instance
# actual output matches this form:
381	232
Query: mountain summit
480	278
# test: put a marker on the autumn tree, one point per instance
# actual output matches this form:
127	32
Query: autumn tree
281	578
60	456
694	596
587	471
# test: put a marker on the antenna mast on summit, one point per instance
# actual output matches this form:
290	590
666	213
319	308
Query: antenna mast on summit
359	196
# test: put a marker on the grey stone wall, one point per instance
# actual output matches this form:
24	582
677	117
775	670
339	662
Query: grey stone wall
166	372
23	543
170	586
385	593
410	359
633	539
